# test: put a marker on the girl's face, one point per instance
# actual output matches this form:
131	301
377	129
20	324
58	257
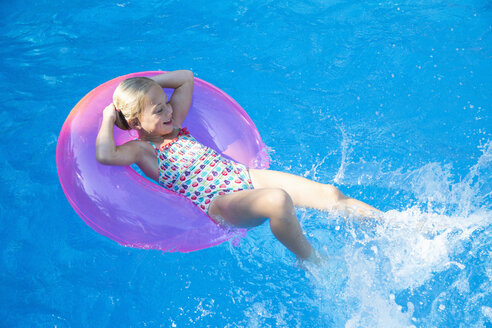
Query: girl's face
156	118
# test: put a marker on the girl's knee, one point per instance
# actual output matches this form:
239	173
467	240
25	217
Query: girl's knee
278	196
278	202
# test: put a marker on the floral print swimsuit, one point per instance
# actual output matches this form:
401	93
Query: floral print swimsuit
198	172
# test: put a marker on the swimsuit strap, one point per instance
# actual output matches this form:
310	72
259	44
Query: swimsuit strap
182	132
155	148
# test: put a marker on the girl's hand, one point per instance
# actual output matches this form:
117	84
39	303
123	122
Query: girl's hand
110	113
182	83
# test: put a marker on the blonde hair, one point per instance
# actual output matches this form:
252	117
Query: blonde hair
129	99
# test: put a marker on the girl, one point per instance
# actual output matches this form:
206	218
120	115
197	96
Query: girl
227	191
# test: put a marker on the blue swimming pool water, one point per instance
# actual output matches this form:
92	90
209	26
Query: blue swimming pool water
388	100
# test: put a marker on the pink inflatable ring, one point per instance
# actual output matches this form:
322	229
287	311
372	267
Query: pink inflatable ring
119	203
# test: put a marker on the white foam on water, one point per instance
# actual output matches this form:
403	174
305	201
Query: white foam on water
418	244
408	248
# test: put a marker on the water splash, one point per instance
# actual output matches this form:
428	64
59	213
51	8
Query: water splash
346	150
392	268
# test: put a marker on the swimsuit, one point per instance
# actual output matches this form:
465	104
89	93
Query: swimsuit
198	172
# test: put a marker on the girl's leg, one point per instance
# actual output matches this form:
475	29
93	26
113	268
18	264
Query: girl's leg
308	193
250	208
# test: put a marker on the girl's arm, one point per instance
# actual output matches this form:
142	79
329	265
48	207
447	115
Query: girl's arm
106	151
182	82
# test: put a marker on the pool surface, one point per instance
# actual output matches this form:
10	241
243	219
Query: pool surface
389	101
